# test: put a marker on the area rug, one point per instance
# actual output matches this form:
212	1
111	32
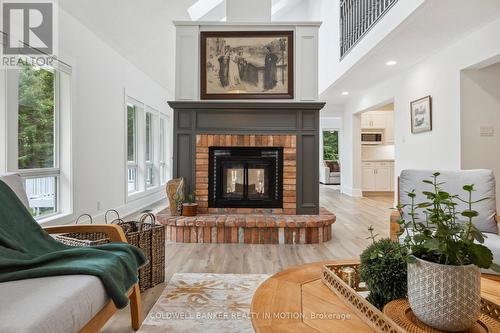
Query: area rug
193	302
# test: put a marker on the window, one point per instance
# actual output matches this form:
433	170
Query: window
131	149
36	137
146	148
164	167
35	120
149	150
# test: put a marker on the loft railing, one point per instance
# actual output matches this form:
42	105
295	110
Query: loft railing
357	17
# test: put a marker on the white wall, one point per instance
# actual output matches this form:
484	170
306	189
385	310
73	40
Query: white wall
438	76
377	152
327	11
480	107
248	11
99	81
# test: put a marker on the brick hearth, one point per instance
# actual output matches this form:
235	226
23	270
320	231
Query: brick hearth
288	142
249	228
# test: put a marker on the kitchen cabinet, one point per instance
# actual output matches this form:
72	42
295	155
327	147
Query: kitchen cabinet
374	120
377	120
378	176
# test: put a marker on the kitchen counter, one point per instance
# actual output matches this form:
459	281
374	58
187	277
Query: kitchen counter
378	160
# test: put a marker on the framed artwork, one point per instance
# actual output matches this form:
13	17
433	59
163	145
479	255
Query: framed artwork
246	65
421	115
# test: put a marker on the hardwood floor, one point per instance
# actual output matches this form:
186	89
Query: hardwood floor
354	216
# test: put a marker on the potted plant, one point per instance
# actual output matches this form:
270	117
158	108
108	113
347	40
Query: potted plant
444	258
190	207
383	269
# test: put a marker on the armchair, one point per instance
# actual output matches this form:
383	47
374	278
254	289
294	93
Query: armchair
488	221
330	172
69	303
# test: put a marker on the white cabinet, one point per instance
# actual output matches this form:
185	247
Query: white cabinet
373	119
377	120
377	176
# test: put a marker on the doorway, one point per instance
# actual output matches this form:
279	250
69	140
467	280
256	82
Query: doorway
377	151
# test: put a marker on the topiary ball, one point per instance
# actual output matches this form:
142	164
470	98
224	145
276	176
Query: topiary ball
383	269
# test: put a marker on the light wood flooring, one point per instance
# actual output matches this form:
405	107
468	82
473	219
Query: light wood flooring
350	232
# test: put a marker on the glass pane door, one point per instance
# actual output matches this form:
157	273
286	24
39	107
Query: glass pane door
258	184
233	180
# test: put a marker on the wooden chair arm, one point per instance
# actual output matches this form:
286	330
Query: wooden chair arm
394	226
114	232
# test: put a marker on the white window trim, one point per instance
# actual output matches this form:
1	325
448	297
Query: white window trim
142	164
9	151
165	162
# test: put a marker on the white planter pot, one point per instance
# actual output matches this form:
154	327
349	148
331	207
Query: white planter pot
445	297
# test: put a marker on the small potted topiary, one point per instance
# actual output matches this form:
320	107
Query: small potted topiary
190	207
383	269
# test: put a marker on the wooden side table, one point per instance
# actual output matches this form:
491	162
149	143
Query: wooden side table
295	300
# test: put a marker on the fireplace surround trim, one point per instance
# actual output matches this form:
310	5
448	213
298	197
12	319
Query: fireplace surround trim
299	119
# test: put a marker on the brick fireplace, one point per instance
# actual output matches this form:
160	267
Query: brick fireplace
269	190
288	174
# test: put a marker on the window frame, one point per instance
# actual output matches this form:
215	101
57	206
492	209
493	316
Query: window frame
142	164
12	137
134	164
164	151
149	163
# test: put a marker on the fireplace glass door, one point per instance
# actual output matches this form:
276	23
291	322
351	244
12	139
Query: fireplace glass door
233	187
246	177
258	181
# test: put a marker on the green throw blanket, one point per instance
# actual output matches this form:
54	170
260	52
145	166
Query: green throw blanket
27	251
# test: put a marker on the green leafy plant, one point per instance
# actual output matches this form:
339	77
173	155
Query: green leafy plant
191	198
440	237
331	145
383	269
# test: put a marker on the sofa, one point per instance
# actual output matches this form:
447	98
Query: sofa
330	173
484	184
60	304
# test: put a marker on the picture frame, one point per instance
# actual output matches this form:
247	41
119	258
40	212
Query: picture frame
421	115
246	65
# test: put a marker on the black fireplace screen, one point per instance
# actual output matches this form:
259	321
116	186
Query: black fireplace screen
246	177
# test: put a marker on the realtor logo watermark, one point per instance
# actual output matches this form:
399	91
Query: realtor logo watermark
28	33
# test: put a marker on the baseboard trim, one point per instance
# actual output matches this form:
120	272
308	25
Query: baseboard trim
352	192
377	193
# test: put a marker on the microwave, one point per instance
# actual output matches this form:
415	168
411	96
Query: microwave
372	138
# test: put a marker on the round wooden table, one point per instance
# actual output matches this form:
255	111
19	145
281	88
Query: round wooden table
296	300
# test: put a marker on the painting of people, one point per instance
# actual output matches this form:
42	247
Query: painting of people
247	65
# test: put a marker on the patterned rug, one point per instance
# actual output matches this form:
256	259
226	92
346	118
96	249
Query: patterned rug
193	302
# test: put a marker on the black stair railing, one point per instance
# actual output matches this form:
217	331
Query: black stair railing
357	17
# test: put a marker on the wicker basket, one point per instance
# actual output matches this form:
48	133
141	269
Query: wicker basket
84	239
157	252
150	238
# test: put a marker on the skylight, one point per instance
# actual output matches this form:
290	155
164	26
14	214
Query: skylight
202	7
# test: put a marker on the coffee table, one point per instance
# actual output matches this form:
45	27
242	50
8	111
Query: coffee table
295	300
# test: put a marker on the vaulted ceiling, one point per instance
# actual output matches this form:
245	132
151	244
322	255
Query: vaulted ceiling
142	31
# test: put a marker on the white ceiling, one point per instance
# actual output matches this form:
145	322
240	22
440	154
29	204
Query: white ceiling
433	26
142	31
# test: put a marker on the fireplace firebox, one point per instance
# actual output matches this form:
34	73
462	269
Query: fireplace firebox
245	177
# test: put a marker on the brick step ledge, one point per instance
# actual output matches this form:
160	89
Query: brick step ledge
249	228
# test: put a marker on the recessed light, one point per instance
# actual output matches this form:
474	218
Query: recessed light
391	63
345	93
